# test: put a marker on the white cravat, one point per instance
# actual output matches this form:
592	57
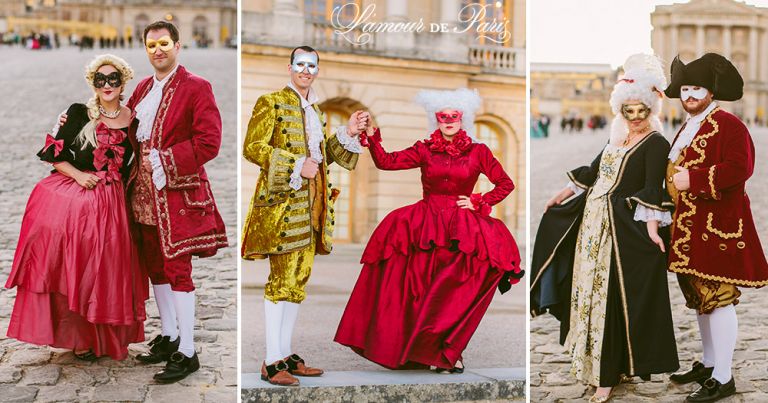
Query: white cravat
692	126
146	111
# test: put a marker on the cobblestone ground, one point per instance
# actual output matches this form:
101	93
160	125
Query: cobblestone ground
550	364
36	86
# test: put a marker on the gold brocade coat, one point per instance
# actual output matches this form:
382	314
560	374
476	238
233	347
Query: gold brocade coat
279	217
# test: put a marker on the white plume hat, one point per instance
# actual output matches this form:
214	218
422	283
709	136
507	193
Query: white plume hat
463	99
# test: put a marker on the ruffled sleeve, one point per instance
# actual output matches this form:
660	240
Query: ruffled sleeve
651	196
60	148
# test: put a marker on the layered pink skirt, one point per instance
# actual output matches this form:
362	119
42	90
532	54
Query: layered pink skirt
430	271
79	284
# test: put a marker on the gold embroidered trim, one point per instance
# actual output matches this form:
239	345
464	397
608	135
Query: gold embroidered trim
296	231
299	205
712	182
298	218
294	130
290	118
345	158
552	255
650	206
724	235
696	273
575	182
696	146
687	233
288	247
207	201
289	107
278	178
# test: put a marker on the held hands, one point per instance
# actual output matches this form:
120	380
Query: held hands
653	233
358	122
465	202
86	180
309	169
682	179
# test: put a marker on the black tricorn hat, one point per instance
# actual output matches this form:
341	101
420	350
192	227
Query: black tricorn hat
711	71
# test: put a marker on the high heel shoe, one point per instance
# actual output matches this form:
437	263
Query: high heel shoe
601	399
88	356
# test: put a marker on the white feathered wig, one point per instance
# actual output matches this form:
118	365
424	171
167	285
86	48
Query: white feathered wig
643	80
463	99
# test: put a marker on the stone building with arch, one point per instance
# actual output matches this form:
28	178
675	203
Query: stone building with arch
382	76
736	30
201	22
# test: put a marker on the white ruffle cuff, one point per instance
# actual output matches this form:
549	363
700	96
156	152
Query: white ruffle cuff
158	174
296	178
646	214
350	143
575	189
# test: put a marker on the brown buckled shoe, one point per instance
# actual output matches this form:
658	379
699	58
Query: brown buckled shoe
278	374
297	367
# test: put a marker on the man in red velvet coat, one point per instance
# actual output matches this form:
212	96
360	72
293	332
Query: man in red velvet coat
714	246
178	129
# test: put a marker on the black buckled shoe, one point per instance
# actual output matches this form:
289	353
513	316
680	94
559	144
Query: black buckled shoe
160	349
712	390
177	368
698	373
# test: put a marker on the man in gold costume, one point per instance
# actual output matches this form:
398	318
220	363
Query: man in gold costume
291	215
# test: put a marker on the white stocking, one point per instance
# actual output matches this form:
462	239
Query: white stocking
725	329
273	319
164	300
185	311
706	340
290	312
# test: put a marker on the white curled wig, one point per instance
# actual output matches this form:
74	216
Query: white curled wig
463	99
643	80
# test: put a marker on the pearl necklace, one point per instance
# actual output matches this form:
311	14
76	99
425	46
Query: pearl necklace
110	115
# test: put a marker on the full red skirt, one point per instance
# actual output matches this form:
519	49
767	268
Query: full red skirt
79	284
429	273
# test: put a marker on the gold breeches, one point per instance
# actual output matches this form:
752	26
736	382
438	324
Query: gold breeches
706	295
289	273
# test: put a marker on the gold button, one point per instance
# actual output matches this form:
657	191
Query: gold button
741	245
693	197
723	246
182	212
704	237
688	223
162	199
686	248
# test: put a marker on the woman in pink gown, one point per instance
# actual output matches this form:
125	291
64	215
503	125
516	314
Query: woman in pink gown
430	269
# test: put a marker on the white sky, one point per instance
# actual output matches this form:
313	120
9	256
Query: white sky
592	31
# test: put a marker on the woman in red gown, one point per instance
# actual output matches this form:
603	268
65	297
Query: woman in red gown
431	268
78	282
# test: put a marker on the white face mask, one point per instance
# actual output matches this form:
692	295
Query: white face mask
688	91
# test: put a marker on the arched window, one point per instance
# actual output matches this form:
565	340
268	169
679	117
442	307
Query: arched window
141	22
341	179
200	31
491	136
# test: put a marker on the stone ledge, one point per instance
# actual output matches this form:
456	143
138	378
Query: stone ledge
377	386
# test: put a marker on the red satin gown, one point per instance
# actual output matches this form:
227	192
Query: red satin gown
79	285
431	269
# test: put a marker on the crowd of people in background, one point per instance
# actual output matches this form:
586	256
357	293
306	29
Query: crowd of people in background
52	40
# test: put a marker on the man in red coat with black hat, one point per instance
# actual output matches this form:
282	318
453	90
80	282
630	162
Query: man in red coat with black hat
714	247
177	130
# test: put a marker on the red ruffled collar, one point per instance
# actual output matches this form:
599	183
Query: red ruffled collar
456	147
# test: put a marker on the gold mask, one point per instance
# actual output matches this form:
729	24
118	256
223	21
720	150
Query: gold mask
633	112
165	44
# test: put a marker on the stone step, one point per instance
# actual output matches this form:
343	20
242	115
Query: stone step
392	386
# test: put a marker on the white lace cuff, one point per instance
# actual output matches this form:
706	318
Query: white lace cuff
158	174
576	190
646	214
351	144
296	178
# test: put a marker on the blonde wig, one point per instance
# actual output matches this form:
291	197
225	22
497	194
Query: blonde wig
88	133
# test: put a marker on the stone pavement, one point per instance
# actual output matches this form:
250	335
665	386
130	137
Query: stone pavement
499	341
550	364
37	86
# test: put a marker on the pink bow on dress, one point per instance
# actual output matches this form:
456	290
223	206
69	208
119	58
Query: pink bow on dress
58	145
